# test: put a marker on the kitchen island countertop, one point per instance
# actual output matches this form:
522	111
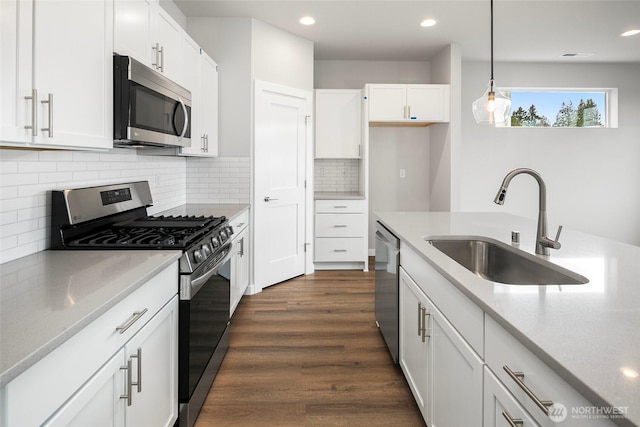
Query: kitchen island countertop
48	297
587	333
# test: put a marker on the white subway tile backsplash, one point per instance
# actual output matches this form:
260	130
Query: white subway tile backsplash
28	176
218	180
336	174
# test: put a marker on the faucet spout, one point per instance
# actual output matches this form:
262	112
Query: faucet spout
543	243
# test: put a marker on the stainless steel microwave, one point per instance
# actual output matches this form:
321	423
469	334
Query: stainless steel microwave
149	110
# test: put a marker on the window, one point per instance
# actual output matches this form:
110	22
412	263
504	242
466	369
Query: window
566	108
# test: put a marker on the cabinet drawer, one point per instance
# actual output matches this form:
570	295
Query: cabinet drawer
341	206
339	249
240	221
503	350
64	370
499	404
340	225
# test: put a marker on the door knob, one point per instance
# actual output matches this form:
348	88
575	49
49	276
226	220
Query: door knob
268	199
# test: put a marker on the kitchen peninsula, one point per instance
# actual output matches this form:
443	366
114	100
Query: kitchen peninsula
583	337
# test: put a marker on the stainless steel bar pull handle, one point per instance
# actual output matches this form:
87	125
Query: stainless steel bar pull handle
424	333
129	384
161	52
156	48
138	356
513	422
133	319
419	318
34	112
340	226
50	128
517	377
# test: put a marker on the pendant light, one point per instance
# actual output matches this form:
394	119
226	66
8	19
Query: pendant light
492	107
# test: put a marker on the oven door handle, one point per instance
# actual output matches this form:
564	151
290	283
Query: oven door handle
209	271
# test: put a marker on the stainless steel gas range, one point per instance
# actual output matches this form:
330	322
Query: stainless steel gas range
115	217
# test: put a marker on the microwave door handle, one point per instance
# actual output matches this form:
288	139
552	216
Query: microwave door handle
186	118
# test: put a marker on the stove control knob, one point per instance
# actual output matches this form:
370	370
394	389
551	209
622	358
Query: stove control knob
198	256
215	242
205	250
223	235
230	231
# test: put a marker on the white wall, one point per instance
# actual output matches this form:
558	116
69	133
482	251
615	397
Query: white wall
592	175
355	74
281	57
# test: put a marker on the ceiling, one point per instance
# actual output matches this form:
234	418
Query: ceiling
524	30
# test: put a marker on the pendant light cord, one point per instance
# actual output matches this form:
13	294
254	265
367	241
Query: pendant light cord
491	45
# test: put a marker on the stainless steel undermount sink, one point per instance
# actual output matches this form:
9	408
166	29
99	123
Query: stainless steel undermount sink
495	261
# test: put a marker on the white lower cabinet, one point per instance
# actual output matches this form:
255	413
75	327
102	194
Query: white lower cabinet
340	234
240	268
465	369
130	350
137	386
500	407
443	371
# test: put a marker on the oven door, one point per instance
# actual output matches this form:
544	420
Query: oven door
202	339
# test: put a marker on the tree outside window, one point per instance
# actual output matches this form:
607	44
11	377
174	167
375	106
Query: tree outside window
552	108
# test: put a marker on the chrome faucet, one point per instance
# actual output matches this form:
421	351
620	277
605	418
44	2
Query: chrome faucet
543	243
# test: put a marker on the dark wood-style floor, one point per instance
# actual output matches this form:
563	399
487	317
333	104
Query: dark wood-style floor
307	352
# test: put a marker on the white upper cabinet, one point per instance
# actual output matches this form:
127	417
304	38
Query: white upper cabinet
56	74
338	124
200	76
143	30
401	104
133	29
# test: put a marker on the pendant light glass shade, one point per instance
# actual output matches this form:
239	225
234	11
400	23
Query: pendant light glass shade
492	108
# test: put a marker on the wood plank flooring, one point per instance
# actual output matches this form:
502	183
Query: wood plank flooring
307	352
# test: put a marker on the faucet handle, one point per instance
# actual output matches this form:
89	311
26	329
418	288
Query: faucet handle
557	239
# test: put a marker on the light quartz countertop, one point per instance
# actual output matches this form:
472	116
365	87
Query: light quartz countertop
48	297
338	195
230	210
589	334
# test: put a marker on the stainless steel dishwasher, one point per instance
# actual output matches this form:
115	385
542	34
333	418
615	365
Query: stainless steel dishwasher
387	299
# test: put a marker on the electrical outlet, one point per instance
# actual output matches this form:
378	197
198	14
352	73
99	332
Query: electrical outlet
403	173
321	171
344	172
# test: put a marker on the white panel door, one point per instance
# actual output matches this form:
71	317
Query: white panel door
280	140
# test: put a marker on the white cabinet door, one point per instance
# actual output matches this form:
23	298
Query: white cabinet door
239	268
98	403
338	123
190	73
500	406
133	28
387	102
154	355
71	66
414	350
456	375
428	102
168	35
16	69
209	104
443	372
73	72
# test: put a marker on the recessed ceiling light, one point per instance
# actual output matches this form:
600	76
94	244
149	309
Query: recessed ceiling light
429	22
630	33
307	20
